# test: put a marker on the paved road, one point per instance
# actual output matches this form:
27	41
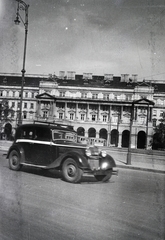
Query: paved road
38	205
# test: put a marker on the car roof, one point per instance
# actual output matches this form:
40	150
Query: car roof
49	125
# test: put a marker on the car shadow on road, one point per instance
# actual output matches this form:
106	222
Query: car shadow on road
56	174
42	172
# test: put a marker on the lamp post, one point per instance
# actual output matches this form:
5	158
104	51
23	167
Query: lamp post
22	6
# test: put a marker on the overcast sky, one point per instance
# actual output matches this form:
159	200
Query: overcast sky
86	36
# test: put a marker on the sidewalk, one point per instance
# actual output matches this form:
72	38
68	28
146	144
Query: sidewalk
158	168
4	145
153	161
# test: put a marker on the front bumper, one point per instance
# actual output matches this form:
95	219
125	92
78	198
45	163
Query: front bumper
102	172
105	172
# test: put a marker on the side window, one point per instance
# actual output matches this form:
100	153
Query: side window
25	133
42	134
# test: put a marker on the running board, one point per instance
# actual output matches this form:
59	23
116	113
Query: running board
33	165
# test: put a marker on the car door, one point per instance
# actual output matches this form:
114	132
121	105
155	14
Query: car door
26	142
42	146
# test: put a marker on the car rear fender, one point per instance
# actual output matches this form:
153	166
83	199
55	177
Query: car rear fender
19	149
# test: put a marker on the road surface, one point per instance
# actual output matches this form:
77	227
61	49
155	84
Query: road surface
38	205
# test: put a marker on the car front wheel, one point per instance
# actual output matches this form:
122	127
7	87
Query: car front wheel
14	160
71	172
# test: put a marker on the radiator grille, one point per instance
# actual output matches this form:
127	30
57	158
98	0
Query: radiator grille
94	163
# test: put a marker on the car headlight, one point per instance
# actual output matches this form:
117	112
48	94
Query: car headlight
103	153
88	152
104	165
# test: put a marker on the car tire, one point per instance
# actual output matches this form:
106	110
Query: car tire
71	172
103	178
14	160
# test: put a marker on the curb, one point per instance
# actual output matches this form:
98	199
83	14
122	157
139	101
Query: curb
141	169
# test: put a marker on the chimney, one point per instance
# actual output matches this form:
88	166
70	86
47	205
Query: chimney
134	77
124	77
71	75
108	77
61	74
87	75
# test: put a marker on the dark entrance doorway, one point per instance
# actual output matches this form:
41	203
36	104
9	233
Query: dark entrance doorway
92	132
125	138
80	131
114	137
103	133
141	140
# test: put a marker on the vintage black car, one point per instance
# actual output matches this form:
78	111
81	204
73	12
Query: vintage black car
55	146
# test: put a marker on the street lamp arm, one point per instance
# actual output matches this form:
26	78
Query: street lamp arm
22	6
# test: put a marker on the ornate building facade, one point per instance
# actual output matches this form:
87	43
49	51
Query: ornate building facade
99	107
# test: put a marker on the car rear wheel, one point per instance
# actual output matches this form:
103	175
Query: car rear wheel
103	178
14	160
71	172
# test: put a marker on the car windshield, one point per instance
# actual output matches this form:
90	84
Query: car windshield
59	134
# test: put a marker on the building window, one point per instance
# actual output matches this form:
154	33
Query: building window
71	105
13	104
32	105
154	123
18	105
154	112
60	105
25	105
12	114
62	94
45	114
32	95
106	96
142	120
82	117
26	94
84	95
143	110
104	118
93	117
71	116
82	106
93	107
24	115
161	114
95	96
60	115
104	107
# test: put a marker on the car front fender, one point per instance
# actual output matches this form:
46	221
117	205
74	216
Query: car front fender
80	160
108	161
19	149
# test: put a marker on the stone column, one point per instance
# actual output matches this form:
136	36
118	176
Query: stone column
54	109
38	110
98	113
87	111
121	113
76	114
65	111
120	139
97	134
